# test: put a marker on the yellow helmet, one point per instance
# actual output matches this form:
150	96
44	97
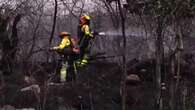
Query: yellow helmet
64	34
86	17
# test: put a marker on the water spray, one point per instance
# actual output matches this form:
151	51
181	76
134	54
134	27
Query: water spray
107	34
117	34
101	33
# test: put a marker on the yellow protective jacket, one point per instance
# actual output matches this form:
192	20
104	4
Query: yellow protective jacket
85	28
65	42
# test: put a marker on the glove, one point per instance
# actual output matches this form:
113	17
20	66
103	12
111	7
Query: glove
76	50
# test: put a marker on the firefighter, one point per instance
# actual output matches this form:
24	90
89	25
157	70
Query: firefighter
66	49
84	35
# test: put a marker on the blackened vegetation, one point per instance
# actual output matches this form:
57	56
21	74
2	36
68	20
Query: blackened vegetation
97	86
162	83
8	44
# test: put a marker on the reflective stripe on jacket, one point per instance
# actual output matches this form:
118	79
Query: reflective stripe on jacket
86	30
64	43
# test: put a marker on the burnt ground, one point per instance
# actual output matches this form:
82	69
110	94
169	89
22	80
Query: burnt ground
96	88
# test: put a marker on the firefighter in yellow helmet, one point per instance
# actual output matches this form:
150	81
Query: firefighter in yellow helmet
66	50
65	42
84	35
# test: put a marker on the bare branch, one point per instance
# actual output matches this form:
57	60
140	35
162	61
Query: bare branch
54	22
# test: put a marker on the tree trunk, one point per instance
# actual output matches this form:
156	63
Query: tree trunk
54	25
179	48
5	43
124	66
176	93
2	85
14	37
159	62
9	45
54	22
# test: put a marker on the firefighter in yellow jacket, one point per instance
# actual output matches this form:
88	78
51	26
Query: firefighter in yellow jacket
85	35
66	50
65	43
